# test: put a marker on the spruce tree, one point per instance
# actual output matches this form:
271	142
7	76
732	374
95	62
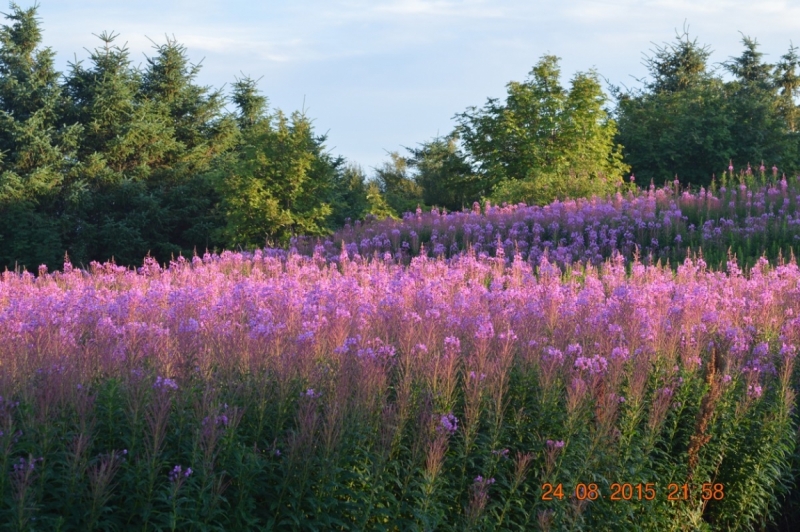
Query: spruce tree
679	122
442	171
760	133
151	138
689	121
349	199
397	186
37	148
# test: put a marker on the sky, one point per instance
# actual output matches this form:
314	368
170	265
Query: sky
381	75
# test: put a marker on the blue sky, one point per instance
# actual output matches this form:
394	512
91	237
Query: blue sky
379	75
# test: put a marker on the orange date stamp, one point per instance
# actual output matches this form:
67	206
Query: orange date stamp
619	491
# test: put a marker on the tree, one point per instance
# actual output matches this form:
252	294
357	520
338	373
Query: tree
349	200
150	138
787	81
196	113
397	187
113	160
36	147
760	130
545	136
688	121
444	175
280	181
678	66
250	103
377	205
679	123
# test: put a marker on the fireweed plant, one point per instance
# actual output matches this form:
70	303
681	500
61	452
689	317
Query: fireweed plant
274	391
748	215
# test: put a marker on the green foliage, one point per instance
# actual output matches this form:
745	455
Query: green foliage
115	160
111	161
761	132
545	136
36	148
351	198
442	172
118	161
787	81
280	181
399	190
678	66
694	139
703	121
149	138
377	203
283	461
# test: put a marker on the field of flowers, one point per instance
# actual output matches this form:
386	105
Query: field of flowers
275	391
747	215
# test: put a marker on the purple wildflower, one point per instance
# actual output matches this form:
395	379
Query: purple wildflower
163	383
448	423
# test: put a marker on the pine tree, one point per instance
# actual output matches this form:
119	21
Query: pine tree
680	122
37	149
787	80
442	171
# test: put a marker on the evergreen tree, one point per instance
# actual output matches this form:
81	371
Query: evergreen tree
397	187
689	122
760	131
151	137
196	113
349	200
250	103
679	123
377	205
36	148
118	161
678	66
444	175
787	80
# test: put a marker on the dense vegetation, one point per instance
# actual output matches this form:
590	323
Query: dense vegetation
384	364
270	392
109	160
688	120
731	220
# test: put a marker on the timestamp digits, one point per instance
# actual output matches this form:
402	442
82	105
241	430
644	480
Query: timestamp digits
627	491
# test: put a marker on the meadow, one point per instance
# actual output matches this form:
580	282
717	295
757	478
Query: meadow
612	363
277	391
748	215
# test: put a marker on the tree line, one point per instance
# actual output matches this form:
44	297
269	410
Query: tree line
113	160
